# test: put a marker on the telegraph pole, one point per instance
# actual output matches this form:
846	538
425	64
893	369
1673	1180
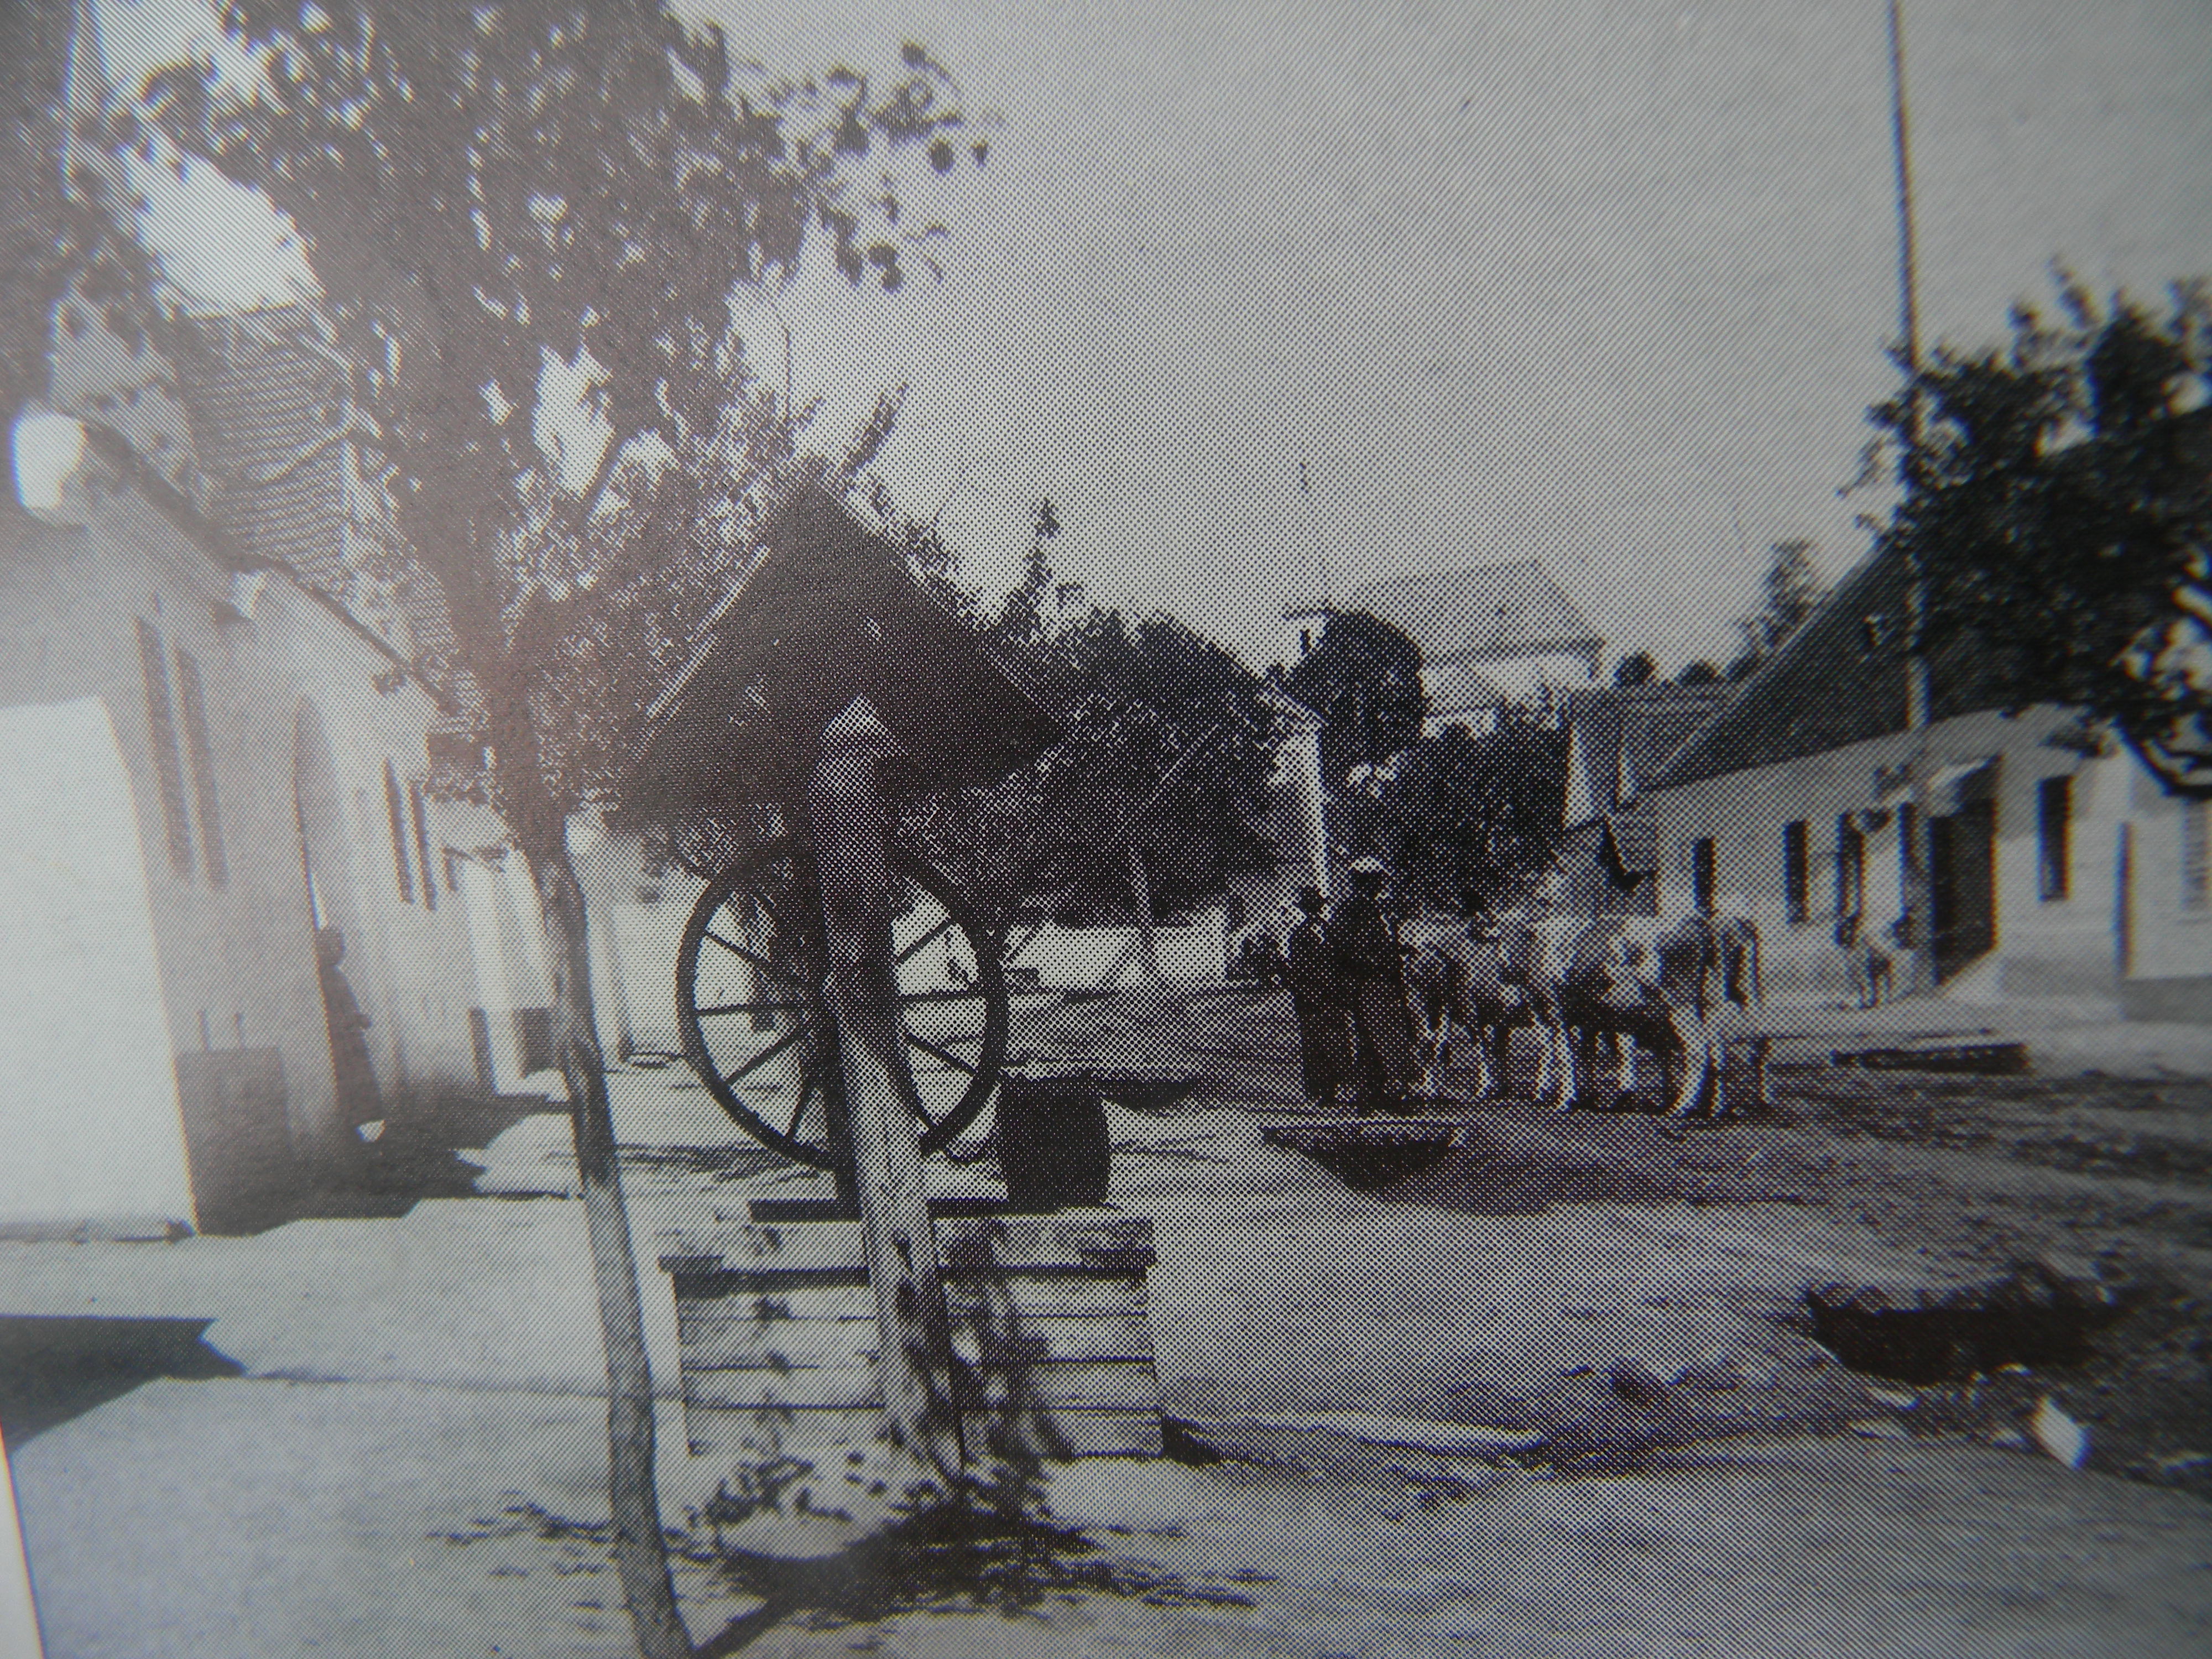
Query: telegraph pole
1916	836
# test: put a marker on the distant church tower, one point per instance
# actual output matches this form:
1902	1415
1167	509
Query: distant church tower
1310	613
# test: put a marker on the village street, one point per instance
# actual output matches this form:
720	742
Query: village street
1557	1394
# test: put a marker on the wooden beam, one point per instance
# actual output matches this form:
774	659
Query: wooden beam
850	823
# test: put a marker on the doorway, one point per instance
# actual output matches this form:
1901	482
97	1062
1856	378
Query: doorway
1963	881
340	943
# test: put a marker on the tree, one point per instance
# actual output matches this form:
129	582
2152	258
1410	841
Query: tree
2057	499
1792	592
1636	668
488	194
1168	749
1700	672
1363	678
1462	812
52	239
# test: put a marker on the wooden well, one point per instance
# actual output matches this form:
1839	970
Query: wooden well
779	1335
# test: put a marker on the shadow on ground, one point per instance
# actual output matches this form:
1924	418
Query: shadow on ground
55	1368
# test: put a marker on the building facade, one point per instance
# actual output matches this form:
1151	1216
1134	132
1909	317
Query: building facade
2057	866
207	763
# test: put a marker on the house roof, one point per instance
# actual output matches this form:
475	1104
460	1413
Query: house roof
1493	612
269	405
1621	737
1840	680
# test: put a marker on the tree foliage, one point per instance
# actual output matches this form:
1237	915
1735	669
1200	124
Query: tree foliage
1363	678
1463	812
489	193
53	239
1168	748
1790	592
1636	668
2057	494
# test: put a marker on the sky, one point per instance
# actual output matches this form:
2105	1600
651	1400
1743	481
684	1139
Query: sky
1604	283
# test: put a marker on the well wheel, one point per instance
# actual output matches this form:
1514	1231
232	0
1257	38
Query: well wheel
749	988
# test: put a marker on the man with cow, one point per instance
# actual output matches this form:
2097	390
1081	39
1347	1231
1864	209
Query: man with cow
1682	989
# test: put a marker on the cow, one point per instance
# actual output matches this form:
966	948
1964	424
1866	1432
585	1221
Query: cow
1682	989
1457	986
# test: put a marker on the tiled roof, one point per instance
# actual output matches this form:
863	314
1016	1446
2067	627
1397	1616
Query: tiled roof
1493	611
1840	680
269	407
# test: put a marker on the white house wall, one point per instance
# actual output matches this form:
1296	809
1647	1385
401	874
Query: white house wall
2061	947
80	980
2170	943
241	995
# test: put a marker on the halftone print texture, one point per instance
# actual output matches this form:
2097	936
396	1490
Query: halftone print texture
946	829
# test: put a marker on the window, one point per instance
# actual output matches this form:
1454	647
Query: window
2054	838
2196	855
1701	874
201	751
1797	874
1850	867
398	814
168	764
422	845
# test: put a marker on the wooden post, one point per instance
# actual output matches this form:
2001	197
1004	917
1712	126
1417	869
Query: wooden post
850	825
1148	948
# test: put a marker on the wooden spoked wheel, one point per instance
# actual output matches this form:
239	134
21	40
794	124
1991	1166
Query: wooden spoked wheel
748	1000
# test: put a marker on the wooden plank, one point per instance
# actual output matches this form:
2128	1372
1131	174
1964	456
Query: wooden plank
1129	1384
811	1432
744	1345
1058	1297
1064	1238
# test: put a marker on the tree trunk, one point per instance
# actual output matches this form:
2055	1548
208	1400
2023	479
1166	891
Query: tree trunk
640	1546
1141	885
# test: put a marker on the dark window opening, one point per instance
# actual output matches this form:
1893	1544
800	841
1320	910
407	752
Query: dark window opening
168	763
1797	874
1701	875
400	862
1850	867
422	845
201	749
2054	838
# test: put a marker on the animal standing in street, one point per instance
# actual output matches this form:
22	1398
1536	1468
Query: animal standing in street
1683	990
1458	987
1868	967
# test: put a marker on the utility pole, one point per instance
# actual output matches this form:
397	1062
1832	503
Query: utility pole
1916	836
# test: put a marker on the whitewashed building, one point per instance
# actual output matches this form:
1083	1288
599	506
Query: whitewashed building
1491	635
214	741
2059	868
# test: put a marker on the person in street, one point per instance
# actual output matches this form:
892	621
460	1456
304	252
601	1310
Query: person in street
360	1101
1371	965
1317	1000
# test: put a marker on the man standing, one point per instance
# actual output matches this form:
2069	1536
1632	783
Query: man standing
1317	1000
1373	969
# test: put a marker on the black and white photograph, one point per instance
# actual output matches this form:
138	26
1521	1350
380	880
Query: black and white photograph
1309	828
